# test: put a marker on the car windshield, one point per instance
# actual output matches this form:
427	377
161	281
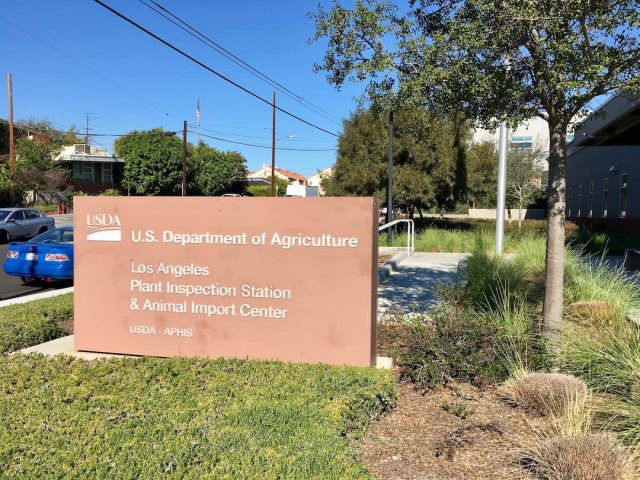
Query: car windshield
4	214
54	236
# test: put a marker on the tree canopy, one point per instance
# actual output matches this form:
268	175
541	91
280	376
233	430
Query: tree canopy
494	60
153	162
428	156
216	172
153	165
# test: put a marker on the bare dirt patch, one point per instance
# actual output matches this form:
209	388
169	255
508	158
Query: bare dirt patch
382	259
454	432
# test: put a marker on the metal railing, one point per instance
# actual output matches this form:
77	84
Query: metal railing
410	231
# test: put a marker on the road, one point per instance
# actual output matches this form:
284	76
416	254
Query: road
11	287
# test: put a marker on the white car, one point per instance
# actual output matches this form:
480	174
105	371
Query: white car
22	223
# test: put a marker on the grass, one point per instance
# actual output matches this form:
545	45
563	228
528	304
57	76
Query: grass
32	323
462	236
604	352
182	418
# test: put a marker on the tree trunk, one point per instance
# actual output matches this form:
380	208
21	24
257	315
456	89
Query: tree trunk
520	214
554	271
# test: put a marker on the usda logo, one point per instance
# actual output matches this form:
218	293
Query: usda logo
104	227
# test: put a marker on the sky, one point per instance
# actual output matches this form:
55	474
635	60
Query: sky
70	58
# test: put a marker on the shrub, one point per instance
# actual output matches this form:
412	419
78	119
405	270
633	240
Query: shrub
110	192
150	418
34	322
584	457
545	393
455	343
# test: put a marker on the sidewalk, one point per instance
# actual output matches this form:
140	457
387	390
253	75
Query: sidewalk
412	287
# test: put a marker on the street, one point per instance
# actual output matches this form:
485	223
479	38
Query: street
11	287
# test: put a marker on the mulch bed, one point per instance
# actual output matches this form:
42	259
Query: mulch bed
423	439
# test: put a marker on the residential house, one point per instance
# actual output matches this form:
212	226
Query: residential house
289	176
316	180
92	169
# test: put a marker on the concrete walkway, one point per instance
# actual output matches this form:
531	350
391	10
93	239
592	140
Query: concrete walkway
412	287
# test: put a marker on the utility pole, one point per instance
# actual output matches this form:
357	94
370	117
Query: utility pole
390	180
502	187
12	150
86	130
273	146
184	159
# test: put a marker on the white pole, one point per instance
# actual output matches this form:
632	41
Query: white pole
502	187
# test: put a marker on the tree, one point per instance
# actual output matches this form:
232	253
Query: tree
153	162
524	179
265	191
36	169
33	154
216	172
482	174
495	60
428	154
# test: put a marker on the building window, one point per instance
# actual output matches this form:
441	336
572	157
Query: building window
579	201
591	189
522	143
623	195
107	173
569	195
76	171
605	197
87	171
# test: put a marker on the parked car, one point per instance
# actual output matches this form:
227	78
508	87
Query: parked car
47	257
22	222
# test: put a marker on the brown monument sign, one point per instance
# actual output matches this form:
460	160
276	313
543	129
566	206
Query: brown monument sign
271	278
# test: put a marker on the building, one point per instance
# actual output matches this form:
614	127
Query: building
531	135
18	133
92	169
289	176
603	167
316	180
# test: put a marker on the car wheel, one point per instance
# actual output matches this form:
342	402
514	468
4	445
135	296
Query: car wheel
30	281
4	237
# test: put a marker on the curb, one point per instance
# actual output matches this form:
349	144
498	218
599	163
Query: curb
390	266
35	296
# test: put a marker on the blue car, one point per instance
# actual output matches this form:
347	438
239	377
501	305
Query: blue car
47	257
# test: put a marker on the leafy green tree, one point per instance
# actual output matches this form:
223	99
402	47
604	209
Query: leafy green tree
427	153
33	154
216	172
153	162
495	60
482	174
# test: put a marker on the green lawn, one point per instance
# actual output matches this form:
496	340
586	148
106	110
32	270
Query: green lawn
460	235
153	418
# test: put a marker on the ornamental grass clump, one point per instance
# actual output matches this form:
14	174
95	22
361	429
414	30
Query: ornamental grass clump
583	457
545	393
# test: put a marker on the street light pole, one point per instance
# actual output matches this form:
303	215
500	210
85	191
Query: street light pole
273	147
502	187
390	179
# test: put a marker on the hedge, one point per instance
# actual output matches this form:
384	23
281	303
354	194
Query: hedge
149	418
31	323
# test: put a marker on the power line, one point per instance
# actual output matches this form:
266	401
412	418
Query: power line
208	68
266	146
86	67
254	137
198	35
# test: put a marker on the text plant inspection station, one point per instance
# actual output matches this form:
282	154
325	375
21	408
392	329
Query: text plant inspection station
293	280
